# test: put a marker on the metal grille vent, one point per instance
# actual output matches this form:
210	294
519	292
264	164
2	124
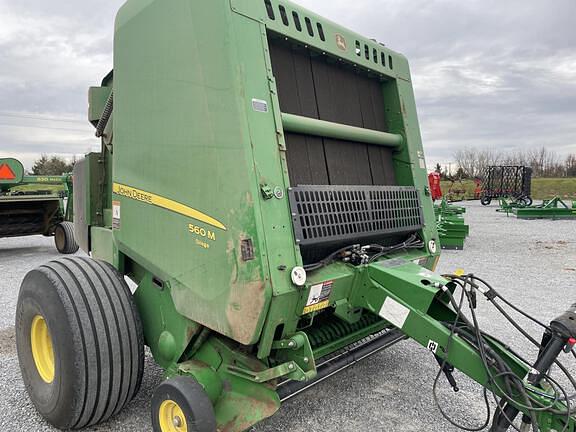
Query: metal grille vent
324	214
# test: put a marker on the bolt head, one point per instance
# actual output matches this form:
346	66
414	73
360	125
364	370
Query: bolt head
278	192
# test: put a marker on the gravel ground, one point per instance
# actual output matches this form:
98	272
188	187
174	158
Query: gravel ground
532	263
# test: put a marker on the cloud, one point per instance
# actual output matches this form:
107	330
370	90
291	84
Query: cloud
50	54
485	72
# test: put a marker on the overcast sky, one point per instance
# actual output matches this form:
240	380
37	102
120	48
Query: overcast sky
487	73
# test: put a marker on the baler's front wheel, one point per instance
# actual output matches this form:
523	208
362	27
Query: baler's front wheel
64	238
79	340
180	404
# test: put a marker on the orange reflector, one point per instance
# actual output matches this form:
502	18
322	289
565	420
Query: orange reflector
6	172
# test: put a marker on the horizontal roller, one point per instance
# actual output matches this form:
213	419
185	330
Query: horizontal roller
346	358
309	126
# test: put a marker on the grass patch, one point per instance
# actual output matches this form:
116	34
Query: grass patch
544	188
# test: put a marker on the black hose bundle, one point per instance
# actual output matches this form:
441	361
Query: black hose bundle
372	252
512	390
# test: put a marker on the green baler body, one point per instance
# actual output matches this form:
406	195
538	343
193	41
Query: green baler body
220	111
185	82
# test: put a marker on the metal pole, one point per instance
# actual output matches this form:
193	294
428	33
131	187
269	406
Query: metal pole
309	126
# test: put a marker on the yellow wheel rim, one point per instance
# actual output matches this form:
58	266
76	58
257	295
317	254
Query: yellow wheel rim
172	417
42	350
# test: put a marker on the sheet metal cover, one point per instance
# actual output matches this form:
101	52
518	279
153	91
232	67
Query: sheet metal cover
326	214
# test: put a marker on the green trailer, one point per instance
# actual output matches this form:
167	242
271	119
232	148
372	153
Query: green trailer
262	182
36	205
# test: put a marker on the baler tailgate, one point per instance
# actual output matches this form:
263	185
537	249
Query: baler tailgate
314	89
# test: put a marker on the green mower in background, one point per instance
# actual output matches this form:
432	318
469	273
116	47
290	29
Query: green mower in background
554	209
262	182
30	205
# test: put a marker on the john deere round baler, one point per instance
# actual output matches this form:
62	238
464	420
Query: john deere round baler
262	182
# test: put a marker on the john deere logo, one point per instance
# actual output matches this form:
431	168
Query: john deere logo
341	42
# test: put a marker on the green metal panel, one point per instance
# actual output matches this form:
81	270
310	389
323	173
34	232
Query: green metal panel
166	332
196	154
97	97
101	243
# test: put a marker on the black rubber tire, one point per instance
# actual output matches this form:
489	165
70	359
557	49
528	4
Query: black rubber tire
64	238
191	398
528	201
96	336
485	201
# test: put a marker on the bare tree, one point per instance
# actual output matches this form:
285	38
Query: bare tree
467	161
472	162
571	165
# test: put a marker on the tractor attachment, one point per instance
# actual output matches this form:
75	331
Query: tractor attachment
452	228
549	209
30	206
508	205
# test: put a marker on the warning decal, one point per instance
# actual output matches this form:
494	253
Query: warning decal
6	172
432	346
394	312
116	214
318	298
